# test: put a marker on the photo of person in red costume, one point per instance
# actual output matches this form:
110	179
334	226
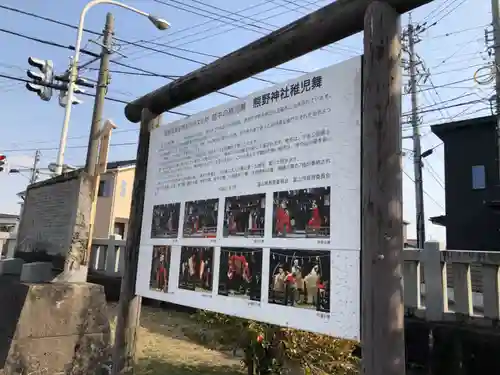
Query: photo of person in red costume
165	220
240	273
244	216
200	218
302	213
196	268
160	265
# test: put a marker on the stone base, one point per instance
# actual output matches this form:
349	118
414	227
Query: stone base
11	266
57	328
36	272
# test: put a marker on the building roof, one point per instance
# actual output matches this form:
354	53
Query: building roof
9	216
120	164
113	165
441	129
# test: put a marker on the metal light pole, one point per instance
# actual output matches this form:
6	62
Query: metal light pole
158	22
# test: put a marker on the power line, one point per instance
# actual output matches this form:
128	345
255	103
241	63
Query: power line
90	53
56	148
456	32
449	84
204	37
450	106
85	94
425	192
433	173
30	14
445	15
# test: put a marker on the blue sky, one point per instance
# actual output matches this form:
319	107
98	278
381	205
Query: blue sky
453	49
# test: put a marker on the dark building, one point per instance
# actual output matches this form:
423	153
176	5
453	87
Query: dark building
472	217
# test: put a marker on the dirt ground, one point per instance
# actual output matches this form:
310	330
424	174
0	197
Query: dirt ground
164	347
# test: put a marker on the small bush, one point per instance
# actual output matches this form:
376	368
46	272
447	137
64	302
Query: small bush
271	349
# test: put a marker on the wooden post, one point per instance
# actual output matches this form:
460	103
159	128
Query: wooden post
382	311
129	307
104	135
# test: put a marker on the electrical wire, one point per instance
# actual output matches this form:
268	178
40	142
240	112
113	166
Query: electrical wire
432	172
426	27
51	20
456	32
425	192
86	52
85	94
204	37
72	147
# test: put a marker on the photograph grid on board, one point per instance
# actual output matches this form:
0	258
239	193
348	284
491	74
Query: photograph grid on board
160	268
196	268
200	218
240	274
264	185
300	278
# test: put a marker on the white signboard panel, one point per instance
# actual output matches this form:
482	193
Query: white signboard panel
253	208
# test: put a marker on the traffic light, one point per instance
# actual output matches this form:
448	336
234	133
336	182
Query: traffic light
3	162
42	80
63	96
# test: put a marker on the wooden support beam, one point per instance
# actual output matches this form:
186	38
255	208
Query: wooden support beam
104	137
327	25
129	307
382	308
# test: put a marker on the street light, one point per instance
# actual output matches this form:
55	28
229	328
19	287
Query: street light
159	23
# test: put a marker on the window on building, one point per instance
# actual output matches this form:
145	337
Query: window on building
123	188
478	177
104	189
119	229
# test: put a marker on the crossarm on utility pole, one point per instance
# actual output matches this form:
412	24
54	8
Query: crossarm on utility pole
382	311
327	25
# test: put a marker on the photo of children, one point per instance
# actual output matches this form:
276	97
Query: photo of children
160	265
244	216
165	220
200	218
196	268
240	273
302	213
300	278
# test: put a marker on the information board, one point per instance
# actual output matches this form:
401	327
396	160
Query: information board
252	208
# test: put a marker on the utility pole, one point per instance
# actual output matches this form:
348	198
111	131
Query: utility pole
495	11
417	151
382	307
34	171
102	83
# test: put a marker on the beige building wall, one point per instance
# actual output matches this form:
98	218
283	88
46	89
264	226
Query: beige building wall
124	181
104	208
113	203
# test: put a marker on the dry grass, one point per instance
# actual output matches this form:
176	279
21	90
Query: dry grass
165	347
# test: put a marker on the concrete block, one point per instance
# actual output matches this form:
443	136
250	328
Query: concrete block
12	266
36	272
53	328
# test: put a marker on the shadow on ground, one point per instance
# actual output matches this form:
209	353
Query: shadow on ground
157	366
178	325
